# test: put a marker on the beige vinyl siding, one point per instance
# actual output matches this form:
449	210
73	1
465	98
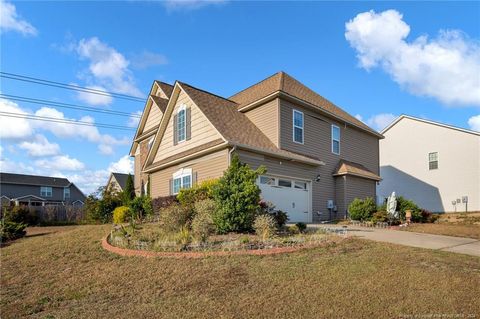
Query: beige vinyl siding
357	187
201	129
340	187
154	117
137	177
206	167
266	118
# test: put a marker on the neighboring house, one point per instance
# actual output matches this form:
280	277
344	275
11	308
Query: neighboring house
117	182
435	165
19	189
318	157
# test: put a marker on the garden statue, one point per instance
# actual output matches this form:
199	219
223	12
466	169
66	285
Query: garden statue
392	207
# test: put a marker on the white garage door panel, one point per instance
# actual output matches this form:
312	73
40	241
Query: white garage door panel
294	201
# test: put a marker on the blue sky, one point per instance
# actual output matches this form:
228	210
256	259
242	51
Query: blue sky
421	59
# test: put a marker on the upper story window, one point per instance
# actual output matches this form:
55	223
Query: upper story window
433	160
335	139
181	124
181	179
66	193
298	124
45	191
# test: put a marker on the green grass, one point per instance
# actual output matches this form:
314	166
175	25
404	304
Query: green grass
66	274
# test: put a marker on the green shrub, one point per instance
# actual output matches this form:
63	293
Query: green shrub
11	230
237	196
265	226
362	209
293	229
380	217
99	207
174	217
301	227
162	202
21	214
120	214
202	224
128	193
404	204
201	191
141	207
268	208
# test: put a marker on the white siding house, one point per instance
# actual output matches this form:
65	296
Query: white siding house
433	164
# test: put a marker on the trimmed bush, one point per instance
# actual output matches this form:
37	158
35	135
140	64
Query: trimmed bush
265	226
362	209
201	191
21	214
380	217
141	207
120	214
404	204
174	217
237	196
160	203
202	224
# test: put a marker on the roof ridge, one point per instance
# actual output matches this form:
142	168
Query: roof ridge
207	92
248	87
35	175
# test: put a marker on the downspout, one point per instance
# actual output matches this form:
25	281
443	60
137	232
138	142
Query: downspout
230	154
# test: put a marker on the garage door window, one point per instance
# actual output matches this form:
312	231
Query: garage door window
300	185
284	183
267	180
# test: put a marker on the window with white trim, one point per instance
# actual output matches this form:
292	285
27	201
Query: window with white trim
66	193
433	160
45	191
181	179
335	140
298	125
181	124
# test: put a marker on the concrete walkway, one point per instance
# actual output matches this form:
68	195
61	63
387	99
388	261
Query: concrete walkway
459	245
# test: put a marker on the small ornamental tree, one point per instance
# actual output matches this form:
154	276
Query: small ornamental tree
237	197
129	191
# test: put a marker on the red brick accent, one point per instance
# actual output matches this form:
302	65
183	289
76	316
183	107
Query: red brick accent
143	253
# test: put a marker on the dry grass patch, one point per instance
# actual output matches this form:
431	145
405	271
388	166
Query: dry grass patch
449	229
66	274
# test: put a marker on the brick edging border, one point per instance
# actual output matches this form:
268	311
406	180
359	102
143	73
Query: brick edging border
144	253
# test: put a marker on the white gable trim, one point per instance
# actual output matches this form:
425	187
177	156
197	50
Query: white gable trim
404	116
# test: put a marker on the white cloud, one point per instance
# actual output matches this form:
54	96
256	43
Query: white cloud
134	119
173	5
105	149
123	165
446	68
107	66
40	146
11	127
378	121
11	21
95	99
147	59
61	163
474	123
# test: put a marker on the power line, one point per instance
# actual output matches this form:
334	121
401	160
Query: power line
19	77
66	105
64	121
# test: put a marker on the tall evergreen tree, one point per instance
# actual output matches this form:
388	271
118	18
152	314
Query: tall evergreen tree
129	191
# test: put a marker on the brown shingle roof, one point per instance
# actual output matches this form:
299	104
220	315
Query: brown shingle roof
351	168
162	103
285	83
167	88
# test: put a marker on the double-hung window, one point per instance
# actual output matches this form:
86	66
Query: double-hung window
181	124
45	191
181	179
66	193
298	127
433	160
335	140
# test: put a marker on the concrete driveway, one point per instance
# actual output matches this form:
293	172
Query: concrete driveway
459	245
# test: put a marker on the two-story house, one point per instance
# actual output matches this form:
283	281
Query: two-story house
318	157
31	190
434	164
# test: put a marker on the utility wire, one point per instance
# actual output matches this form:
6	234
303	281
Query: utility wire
66	105
64	121
19	77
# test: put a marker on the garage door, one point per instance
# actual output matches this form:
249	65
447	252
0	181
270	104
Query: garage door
289	195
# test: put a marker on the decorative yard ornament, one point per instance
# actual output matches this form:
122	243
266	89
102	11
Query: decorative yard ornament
392	206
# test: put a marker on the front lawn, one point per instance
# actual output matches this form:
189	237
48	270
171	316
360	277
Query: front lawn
449	229
64	273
